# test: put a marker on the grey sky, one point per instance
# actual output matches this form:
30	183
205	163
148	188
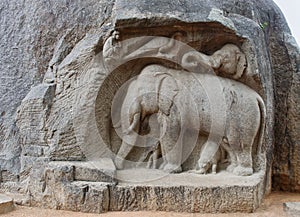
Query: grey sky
291	10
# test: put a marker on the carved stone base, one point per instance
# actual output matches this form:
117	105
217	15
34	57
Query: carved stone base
186	192
66	186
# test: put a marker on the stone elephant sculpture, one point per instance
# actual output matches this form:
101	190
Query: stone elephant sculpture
229	61
142	100
243	121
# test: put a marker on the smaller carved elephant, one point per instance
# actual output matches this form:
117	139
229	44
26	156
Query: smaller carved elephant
204	166
213	163
229	61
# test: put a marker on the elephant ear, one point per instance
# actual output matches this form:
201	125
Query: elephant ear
241	65
167	89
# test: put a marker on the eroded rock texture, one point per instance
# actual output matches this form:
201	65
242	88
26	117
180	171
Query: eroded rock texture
54	82
29	33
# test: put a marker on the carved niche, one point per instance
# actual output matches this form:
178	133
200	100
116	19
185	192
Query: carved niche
182	103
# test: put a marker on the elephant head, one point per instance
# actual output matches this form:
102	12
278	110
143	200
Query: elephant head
229	60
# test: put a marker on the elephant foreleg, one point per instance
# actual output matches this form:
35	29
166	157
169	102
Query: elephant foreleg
171	145
134	125
214	168
128	142
122	154
152	162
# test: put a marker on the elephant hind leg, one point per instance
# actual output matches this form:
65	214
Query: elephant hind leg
232	156
244	160
243	171
240	160
122	154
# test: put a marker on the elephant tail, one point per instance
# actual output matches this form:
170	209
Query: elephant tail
262	107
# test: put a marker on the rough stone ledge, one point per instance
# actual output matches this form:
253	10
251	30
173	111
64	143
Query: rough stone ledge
102	170
139	190
6	204
292	209
144	190
89	197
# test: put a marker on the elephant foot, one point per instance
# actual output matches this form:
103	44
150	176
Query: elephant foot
172	168
214	169
191	171
199	171
161	167
231	168
119	163
243	171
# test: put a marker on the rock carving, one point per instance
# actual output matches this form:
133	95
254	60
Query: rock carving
159	90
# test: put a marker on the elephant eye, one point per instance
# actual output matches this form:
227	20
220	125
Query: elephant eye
226	59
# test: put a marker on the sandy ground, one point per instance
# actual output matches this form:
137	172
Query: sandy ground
272	206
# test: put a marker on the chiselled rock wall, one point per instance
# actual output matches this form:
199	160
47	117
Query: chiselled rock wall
73	34
29	31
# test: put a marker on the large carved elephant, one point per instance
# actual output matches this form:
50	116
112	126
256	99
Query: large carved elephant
153	92
171	93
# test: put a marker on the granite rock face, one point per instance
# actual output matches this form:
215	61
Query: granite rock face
30	31
286	173
292	209
56	92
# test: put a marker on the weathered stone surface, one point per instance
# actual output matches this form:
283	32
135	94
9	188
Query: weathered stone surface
75	194
151	190
185	192
31	118
96	172
86	197
286	173
67	117
292	209
102	170
6	204
284	55
29	32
